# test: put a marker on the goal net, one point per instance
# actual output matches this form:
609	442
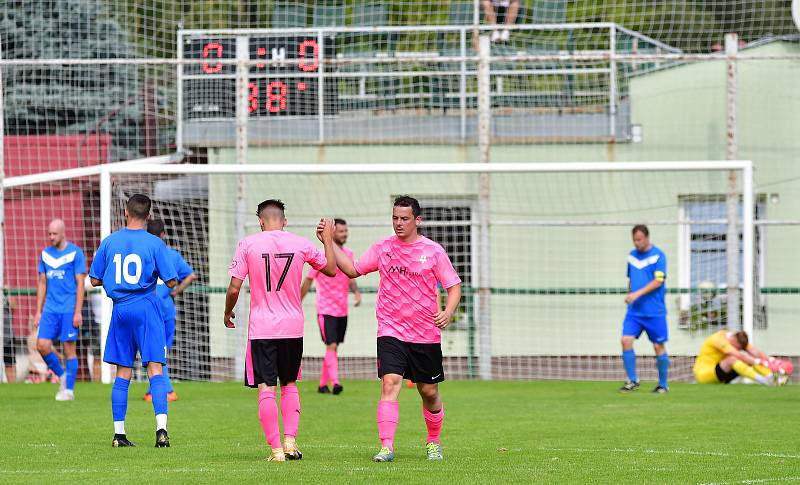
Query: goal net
543	281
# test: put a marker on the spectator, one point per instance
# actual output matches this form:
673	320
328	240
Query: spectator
504	9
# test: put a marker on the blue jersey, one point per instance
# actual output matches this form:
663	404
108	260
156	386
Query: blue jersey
130	262
60	268
163	291
642	269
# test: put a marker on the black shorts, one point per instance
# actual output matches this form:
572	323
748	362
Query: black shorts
725	377
9	349
332	329
268	360
418	362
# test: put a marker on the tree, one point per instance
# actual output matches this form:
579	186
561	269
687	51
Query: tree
75	99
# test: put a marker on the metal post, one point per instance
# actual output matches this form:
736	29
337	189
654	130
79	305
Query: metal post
748	235
612	83
105	231
732	196
484	275
2	214
179	104
462	84
242	113
321	87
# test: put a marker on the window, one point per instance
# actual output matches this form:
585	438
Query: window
703	261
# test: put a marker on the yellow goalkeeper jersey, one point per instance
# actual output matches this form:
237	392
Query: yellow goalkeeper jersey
714	349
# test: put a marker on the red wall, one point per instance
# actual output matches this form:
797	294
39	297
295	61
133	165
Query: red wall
29	209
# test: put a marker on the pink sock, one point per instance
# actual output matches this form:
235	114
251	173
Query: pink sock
388	416
290	409
332	364
434	423
268	415
323	375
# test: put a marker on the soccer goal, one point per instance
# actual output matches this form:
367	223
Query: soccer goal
541	248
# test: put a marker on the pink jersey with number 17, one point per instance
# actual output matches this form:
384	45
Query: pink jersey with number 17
408	297
274	262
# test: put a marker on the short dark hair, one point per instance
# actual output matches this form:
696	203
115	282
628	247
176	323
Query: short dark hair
139	206
742	338
339	221
640	228
155	227
408	201
271	204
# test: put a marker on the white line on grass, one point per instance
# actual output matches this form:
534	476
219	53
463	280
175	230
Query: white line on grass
669	452
757	480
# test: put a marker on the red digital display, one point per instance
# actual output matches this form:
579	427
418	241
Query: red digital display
286	85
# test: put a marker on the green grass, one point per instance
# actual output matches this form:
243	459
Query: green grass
545	432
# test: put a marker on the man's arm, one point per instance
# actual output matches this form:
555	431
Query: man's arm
356	293
183	284
41	293
743	356
345	263
305	287
648	288
443	318
231	297
95	282
77	315
325	235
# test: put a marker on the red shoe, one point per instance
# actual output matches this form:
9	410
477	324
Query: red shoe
148	397
172	396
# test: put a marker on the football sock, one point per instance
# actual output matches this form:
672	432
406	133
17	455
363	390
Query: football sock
332	360
290	410
119	403
323	375
165	373
53	364
388	416
662	363
433	420
745	370
72	373
158	388
629	360
764	371
268	415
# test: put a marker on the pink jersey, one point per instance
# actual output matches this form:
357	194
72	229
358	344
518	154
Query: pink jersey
408	297
332	292
274	262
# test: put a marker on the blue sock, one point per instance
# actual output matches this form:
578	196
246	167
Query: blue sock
72	372
158	388
165	373
629	360
53	364
119	398
662	363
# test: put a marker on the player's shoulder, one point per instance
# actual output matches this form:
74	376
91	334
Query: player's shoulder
431	244
655	250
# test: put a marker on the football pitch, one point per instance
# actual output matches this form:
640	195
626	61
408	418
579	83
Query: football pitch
494	432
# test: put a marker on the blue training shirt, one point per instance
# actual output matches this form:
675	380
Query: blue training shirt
60	268
130	262
642	269
163	291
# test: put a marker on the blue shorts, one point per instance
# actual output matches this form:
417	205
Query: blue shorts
137	325
656	327
57	326
169	328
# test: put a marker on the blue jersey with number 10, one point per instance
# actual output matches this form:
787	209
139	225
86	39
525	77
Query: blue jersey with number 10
130	262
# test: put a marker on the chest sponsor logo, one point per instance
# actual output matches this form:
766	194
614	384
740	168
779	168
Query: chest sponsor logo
55	274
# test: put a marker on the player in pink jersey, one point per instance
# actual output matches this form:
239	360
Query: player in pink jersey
410	319
332	310
273	260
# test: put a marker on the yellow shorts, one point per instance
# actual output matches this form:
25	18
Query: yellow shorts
705	374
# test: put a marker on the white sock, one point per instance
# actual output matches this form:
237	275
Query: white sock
71	392
161	421
119	427
764	379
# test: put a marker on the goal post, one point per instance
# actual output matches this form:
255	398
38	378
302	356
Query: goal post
524	239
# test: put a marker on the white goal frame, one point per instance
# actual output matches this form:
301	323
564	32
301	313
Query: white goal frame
745	167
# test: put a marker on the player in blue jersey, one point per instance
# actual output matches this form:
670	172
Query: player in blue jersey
166	296
128	264
647	270
59	300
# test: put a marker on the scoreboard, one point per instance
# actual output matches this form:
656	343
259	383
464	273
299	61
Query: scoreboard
290	86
